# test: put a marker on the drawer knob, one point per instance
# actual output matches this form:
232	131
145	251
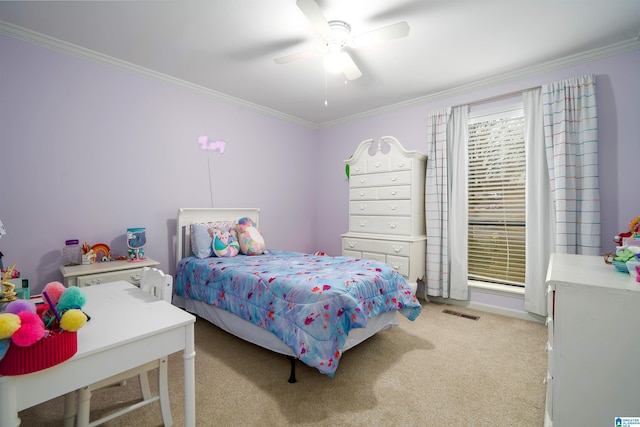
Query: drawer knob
393	193
363	207
378	165
396	248
93	282
363	223
362	193
393	207
401	164
396	266
394	178
393	224
357	169
362	181
352	244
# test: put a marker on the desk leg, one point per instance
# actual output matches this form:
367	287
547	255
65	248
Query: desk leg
189	355
84	406
8	403
70	408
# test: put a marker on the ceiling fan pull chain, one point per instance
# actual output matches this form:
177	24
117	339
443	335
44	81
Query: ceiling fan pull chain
326	102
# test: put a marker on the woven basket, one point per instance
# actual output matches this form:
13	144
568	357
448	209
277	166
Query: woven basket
54	349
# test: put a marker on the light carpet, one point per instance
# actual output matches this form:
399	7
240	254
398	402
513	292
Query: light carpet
439	370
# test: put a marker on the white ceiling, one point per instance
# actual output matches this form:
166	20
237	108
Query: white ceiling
227	47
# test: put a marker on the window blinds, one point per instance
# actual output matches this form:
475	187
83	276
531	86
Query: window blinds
496	251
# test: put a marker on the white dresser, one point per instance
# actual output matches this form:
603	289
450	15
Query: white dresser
594	343
386	207
104	272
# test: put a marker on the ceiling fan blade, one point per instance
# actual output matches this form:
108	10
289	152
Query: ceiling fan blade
297	56
351	70
314	14
390	32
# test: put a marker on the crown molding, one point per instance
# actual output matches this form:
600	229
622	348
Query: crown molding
33	37
580	58
39	39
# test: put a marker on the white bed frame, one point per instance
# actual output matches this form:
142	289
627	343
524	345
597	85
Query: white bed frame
234	324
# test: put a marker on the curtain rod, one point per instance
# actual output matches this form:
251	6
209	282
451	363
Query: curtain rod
496	97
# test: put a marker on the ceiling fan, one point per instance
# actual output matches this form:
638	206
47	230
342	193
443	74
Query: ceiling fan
337	35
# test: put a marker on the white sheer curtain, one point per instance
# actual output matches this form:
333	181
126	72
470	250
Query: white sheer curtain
446	203
571	138
540	228
437	205
562	191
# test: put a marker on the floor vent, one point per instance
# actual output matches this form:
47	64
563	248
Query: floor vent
457	313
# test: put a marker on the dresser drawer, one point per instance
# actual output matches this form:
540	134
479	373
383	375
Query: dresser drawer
381	246
382	207
400	163
132	276
400	226
378	164
401	264
399	192
395	192
358	168
374	256
381	179
353	254
365	193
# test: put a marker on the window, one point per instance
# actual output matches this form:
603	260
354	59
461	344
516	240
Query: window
496	238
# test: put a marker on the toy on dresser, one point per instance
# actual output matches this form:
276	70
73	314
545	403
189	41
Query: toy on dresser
136	239
35	337
8	289
627	256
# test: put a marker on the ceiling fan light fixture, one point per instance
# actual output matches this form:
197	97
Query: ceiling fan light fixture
335	60
336	35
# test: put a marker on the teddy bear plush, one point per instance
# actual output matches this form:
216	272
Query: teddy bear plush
250	240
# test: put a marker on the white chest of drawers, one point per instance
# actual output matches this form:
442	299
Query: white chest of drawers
386	207
594	343
104	272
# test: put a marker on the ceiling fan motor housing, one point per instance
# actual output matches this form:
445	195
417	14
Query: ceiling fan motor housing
340	34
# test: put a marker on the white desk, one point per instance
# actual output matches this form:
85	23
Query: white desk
128	328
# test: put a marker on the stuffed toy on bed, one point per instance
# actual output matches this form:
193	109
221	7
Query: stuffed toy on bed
225	243
250	239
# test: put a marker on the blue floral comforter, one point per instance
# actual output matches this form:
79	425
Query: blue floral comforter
310	302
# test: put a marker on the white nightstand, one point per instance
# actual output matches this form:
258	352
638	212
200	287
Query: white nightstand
103	272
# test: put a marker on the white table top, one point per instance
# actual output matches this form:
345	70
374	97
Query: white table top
128	328
120	312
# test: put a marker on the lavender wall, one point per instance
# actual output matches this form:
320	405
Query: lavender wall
87	151
618	93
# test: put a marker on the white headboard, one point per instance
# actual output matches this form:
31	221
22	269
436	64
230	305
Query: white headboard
187	216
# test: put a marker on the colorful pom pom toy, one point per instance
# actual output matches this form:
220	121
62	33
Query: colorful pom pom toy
35	337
